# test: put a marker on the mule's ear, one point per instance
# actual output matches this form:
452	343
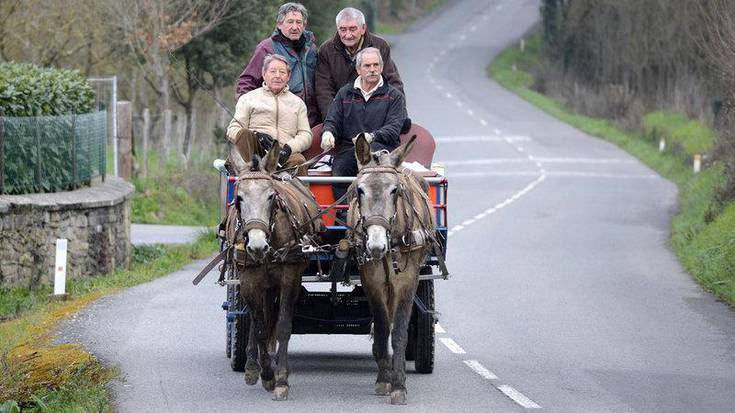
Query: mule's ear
362	150
400	153
271	158
235	159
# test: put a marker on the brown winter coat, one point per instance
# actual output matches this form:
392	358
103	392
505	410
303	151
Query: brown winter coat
335	68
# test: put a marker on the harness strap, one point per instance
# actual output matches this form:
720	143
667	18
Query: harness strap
257	224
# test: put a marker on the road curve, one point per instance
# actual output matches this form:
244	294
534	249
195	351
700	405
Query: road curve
565	294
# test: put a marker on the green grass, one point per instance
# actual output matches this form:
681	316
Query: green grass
175	194
703	237
686	135
43	376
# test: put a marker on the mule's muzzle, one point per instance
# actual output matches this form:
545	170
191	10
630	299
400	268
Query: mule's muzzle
257	246
376	244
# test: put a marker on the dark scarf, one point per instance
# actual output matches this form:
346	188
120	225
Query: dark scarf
297	45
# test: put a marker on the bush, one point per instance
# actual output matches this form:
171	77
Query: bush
28	90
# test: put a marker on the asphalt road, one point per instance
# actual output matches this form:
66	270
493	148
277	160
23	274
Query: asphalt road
565	293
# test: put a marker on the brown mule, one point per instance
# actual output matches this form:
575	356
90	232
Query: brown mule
391	217
273	220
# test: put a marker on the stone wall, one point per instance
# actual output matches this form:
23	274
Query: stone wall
95	220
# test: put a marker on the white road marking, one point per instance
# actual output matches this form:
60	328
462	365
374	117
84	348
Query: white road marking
456	175
503	204
583	160
496	131
439	87
520	149
457	228
442	53
470	112
462	37
533	159
458	103
439	329
489	161
466	139
518	397
452	345
473	28
480	369
468	222
483	122
449	95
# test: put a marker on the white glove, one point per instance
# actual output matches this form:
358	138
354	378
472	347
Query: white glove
368	137
327	140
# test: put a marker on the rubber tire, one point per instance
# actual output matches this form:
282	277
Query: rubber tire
228	324
425	329
240	334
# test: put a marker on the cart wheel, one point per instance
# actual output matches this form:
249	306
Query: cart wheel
425	329
240	333
228	324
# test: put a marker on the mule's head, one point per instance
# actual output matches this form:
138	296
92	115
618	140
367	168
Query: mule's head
378	187
255	199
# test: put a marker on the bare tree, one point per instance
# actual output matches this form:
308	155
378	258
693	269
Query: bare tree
152	29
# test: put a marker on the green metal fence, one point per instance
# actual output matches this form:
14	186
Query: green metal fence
51	153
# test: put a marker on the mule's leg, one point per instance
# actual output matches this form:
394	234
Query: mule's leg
399	339
289	295
381	330
252	368
264	333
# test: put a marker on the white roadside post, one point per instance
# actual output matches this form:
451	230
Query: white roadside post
60	269
661	145
697	163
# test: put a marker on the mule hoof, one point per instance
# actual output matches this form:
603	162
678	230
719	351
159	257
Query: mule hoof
382	389
251	377
269	384
398	397
280	393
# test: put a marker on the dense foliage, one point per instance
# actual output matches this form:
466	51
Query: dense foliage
50	142
29	90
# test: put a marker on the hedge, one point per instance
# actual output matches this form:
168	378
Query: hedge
28	90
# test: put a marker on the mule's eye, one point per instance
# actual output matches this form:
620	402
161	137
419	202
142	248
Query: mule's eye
360	191
393	191
270	197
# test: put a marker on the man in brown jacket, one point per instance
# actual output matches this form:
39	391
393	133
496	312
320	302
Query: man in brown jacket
336	58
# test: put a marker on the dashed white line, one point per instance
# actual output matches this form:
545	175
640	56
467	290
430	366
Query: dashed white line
518	397
458	103
584	160
480	369
452	345
468	222
483	122
439	329
448	95
473	28
470	112
462	37
496	131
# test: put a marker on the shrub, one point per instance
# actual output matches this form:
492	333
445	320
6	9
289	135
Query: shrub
28	90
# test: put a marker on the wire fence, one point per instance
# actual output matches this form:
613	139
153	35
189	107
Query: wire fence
51	153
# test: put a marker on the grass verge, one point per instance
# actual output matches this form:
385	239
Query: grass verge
176	194
703	235
40	375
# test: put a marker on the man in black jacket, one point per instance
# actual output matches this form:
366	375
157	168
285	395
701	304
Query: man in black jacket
368	105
